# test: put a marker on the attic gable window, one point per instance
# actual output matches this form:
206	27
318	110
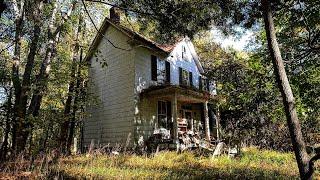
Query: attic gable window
184	52
160	70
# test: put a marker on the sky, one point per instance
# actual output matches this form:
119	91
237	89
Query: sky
235	42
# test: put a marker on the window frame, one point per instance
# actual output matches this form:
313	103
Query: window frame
185	77
164	114
184	52
160	70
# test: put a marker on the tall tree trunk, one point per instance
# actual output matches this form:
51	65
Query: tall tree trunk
75	106
23	126
42	77
65	124
19	15
298	143
71	94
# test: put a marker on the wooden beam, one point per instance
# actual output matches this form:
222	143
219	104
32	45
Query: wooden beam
206	120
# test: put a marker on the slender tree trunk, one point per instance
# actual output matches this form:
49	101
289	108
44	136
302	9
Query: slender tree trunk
4	146
65	124
298	143
23	125
42	77
75	106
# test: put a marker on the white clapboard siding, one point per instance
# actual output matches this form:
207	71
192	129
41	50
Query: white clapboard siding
111	120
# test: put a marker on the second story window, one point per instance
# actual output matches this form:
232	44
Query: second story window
203	84
185	77
160	70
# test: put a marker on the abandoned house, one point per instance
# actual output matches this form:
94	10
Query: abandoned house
145	87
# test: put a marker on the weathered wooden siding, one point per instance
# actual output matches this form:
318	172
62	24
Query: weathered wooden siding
111	120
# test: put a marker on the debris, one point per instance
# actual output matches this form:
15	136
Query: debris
114	152
233	152
219	149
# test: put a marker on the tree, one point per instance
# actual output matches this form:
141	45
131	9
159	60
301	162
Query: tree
22	126
42	77
287	95
73	92
33	47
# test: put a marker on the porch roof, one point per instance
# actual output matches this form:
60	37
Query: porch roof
185	94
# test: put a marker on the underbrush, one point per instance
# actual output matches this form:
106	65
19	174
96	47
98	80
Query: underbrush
252	164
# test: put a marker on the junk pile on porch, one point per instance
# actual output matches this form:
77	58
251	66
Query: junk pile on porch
188	140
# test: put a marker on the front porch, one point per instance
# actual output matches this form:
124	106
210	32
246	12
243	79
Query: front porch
183	110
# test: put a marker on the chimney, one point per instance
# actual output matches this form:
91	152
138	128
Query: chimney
115	15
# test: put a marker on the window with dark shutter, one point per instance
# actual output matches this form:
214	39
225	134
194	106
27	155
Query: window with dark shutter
153	68
180	75
200	83
207	83
190	79
167	72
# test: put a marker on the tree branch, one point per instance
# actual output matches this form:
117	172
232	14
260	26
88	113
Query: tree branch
86	10
311	164
120	7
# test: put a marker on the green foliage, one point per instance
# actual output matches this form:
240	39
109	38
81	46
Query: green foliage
169	20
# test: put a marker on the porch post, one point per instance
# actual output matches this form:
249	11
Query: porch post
206	120
218	123
174	111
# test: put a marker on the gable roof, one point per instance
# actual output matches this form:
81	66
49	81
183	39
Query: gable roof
161	48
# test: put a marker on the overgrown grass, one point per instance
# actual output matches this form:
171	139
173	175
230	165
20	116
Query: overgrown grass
253	164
